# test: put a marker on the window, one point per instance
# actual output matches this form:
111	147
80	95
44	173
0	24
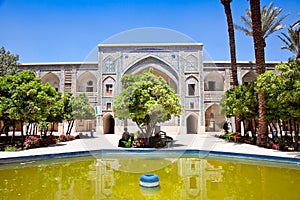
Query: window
90	87
193	166
191	88
109	88
191	105
193	183
211	85
108	106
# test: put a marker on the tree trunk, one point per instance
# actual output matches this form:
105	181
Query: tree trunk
280	128
227	8
228	13
259	44
52	128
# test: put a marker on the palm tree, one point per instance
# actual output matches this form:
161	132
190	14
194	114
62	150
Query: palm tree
259	43
226	4
270	21
227	8
292	40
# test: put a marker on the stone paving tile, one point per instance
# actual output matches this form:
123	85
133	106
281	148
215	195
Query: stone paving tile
192	142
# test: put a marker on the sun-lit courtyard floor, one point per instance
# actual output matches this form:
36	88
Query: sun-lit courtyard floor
210	145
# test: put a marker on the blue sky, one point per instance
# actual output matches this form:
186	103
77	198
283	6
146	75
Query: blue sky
67	30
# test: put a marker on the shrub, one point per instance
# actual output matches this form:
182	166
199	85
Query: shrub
64	138
10	148
31	142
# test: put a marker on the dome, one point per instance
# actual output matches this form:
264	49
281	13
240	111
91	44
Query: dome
149	35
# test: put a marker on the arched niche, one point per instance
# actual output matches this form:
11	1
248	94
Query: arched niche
213	118
214	81
192	86
192	124
52	79
108	86
87	82
159	66
249	77
108	124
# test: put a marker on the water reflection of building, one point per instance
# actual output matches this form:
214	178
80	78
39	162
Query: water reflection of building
197	177
105	177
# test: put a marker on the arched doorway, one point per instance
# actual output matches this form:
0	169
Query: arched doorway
191	124
213	118
108	124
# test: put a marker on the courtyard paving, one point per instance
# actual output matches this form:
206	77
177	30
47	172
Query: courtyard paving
210	145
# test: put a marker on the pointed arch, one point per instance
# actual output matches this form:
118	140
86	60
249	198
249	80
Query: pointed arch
214	81
52	79
213	118
250	76
87	82
192	86
108	124
192	124
108	86
160	67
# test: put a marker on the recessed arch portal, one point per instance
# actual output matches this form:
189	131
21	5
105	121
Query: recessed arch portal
87	82
108	124
192	124
249	77
52	79
213	118
159	67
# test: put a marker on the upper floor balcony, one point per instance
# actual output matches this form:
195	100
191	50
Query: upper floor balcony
92	96
213	95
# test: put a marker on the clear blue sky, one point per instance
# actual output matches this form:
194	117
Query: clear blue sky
67	30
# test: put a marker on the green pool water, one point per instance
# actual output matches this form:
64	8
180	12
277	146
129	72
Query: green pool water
182	178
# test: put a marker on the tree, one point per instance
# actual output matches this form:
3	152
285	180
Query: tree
147	100
259	44
290	74
226	4
240	101
270	21
76	108
8	62
24	98
292	40
227	8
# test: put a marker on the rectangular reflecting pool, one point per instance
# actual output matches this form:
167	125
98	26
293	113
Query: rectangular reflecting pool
181	178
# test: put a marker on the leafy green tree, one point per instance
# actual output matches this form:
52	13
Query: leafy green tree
147	100
240	101
8	62
24	98
289	97
270	21
77	108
